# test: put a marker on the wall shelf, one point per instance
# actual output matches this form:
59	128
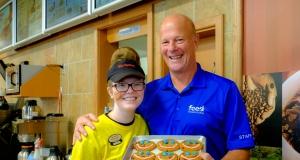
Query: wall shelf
45	83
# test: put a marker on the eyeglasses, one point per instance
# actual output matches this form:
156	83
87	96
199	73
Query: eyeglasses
123	87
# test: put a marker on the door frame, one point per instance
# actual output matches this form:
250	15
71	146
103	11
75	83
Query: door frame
104	49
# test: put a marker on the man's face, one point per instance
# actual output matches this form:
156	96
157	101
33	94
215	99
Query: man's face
178	44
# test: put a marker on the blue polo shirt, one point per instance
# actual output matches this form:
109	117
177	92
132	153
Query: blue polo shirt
210	106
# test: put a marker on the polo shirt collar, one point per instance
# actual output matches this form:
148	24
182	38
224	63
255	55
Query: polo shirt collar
198	80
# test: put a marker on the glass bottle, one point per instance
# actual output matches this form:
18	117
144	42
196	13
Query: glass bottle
26	111
35	109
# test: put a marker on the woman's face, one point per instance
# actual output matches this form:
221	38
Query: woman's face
127	100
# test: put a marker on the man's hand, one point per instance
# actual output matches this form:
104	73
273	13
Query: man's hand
205	156
85	120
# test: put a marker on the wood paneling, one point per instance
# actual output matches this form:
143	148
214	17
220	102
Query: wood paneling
271	36
237	43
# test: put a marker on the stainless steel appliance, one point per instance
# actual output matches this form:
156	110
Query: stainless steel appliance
55	154
18	75
53	131
24	153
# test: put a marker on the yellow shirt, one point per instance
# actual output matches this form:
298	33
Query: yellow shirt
109	140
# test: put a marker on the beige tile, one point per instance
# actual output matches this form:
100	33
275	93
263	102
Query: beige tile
74	108
64	80
87	43
32	56
48	105
65	101
88	103
228	55
159	15
74	53
204	9
177	6
225	7
63	48
26	56
92	76
211	8
38	53
42	54
50	52
71	74
81	76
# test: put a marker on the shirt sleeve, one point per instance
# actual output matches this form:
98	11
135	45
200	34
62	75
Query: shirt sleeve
237	126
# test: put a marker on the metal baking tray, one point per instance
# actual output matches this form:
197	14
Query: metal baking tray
156	138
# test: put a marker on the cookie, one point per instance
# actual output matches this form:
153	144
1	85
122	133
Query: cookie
168	145
143	155
190	155
144	145
167	156
191	145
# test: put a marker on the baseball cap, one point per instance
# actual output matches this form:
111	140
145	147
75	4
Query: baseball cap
124	68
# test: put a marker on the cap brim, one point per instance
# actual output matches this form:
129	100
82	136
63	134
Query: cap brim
124	73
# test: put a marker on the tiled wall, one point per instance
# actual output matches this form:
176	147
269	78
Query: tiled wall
76	51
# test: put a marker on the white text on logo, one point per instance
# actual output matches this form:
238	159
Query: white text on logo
197	110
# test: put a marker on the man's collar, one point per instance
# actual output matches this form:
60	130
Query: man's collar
197	81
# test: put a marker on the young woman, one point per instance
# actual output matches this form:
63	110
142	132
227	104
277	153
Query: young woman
115	129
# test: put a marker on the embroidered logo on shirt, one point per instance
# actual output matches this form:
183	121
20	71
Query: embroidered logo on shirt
115	139
197	110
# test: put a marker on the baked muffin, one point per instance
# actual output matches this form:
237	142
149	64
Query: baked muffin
168	145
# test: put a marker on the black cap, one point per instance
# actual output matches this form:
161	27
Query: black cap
124	68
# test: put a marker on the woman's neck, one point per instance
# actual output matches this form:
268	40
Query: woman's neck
121	116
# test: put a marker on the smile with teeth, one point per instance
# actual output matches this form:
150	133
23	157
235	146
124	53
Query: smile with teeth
176	57
129	99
